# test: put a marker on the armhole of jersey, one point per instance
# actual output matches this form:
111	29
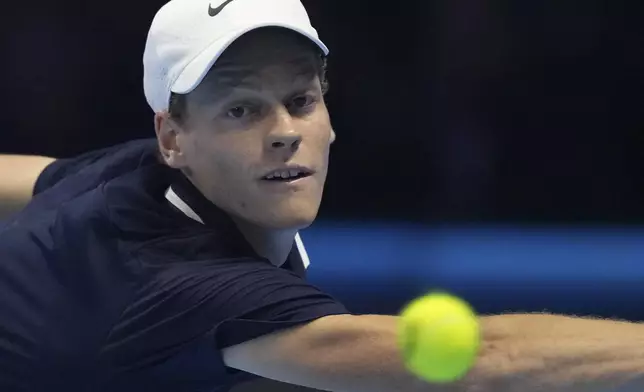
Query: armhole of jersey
44	178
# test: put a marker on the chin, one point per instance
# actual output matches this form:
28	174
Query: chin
291	219
291	222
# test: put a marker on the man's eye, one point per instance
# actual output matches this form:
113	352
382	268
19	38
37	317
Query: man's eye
302	101
238	112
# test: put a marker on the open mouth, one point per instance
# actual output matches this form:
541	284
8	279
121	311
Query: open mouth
287	175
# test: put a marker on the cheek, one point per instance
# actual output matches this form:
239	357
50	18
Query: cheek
324	134
212	162
323	140
230	166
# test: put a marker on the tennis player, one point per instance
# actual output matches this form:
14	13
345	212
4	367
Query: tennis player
174	264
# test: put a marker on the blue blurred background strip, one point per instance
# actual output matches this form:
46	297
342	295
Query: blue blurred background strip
584	270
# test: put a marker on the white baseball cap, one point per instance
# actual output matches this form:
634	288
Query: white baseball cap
187	36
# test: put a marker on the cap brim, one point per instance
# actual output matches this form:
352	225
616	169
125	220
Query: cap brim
197	69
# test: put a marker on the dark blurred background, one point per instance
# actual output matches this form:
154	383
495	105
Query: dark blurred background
446	111
491	148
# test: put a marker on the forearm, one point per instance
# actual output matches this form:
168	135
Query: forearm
363	357
18	175
527	353
335	353
537	352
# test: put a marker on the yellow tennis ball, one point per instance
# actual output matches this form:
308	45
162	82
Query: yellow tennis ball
439	337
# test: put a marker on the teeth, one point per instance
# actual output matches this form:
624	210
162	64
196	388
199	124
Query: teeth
284	174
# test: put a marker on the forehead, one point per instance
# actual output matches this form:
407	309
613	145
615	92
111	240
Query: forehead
269	50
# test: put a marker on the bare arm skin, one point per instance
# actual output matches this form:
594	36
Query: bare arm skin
18	175
522	352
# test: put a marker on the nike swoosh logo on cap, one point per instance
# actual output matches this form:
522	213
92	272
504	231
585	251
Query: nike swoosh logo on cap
217	10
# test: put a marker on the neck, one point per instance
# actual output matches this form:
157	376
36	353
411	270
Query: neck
274	245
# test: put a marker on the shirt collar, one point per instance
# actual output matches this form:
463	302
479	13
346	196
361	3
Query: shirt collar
179	196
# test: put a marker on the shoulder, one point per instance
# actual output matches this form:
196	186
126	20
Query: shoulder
97	166
83	192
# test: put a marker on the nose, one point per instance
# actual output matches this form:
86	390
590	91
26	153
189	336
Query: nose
284	135
286	141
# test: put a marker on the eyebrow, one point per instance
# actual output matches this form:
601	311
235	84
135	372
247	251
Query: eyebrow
228	76
225	77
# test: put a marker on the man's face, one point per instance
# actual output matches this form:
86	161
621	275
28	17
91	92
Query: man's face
260	112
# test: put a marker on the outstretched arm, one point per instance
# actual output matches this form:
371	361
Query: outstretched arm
18	175
526	352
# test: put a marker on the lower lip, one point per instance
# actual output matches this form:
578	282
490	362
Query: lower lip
285	184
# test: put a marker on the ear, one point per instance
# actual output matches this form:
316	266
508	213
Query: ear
168	135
